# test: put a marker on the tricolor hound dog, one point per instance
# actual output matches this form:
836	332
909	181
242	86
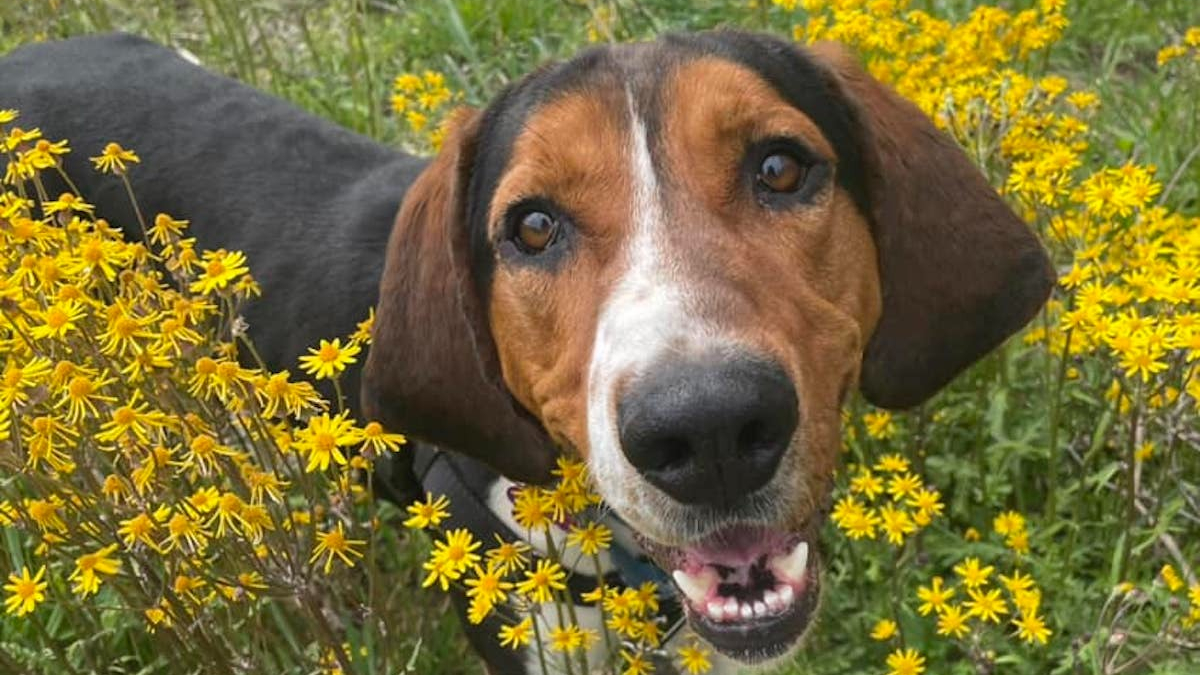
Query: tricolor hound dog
673	259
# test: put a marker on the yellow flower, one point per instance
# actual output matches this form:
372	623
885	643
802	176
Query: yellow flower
509	556
165	229
1171	578
220	268
905	662
67	203
330	359
885	629
896	523
113	159
866	484
854	519
532	508
591	538
137	529
428	513
636	664
377	440
903	485
516	635
566	638
89	567
277	395
928	505
988	606
1008	523
451	558
1018	542
972	574
183	529
44	513
335	544
25	592
546	576
1031	628
58	320
933	597
323	439
892	464
693	658
879	424
485	590
952	622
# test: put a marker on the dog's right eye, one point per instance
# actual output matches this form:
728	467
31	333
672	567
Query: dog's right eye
536	230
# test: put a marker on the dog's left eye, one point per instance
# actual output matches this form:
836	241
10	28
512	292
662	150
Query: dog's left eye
781	172
536	230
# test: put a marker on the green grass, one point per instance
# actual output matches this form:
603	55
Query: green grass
336	58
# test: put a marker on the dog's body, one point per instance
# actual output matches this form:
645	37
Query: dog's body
549	280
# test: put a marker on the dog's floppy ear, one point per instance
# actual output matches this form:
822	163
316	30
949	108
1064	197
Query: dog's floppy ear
432	371
960	272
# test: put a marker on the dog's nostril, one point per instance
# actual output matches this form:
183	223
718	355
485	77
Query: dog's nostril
669	453
752	437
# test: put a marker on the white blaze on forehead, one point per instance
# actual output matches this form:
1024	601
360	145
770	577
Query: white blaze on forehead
645	318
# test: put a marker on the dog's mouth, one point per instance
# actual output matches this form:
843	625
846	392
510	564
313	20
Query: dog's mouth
749	591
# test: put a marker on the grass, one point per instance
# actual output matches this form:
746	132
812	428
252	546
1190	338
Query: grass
336	58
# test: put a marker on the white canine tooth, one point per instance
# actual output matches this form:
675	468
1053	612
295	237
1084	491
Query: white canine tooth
794	564
786	595
695	586
716	610
731	608
771	598
760	608
747	612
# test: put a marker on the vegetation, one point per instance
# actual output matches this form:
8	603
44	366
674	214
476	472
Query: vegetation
165	508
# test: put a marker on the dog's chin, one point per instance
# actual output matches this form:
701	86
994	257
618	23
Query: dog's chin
750	591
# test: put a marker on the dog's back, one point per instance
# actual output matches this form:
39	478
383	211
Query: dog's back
311	204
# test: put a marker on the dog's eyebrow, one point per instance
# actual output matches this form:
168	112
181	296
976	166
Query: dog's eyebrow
799	80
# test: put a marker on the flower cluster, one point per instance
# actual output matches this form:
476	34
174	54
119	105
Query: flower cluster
423	101
1188	46
905	505
148	468
523	581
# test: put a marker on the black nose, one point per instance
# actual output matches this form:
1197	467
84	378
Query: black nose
709	433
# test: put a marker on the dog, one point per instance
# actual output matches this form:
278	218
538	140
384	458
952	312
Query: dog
674	259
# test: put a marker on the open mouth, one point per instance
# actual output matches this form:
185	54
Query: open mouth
749	591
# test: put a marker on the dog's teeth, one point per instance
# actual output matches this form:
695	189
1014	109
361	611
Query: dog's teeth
731	608
792	566
760	608
772	600
747	611
695	586
786	595
716	610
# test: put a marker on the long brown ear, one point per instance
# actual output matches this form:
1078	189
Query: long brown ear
960	271
432	371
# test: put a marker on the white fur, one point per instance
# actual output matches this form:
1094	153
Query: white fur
646	317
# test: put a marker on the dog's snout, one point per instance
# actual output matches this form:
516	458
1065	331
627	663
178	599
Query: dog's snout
709	432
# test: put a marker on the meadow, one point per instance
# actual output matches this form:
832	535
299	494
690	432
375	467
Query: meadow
167	507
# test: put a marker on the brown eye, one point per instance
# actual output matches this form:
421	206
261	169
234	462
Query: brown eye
536	230
781	173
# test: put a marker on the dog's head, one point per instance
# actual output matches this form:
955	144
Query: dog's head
675	259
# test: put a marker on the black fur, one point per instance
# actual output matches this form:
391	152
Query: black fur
309	203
